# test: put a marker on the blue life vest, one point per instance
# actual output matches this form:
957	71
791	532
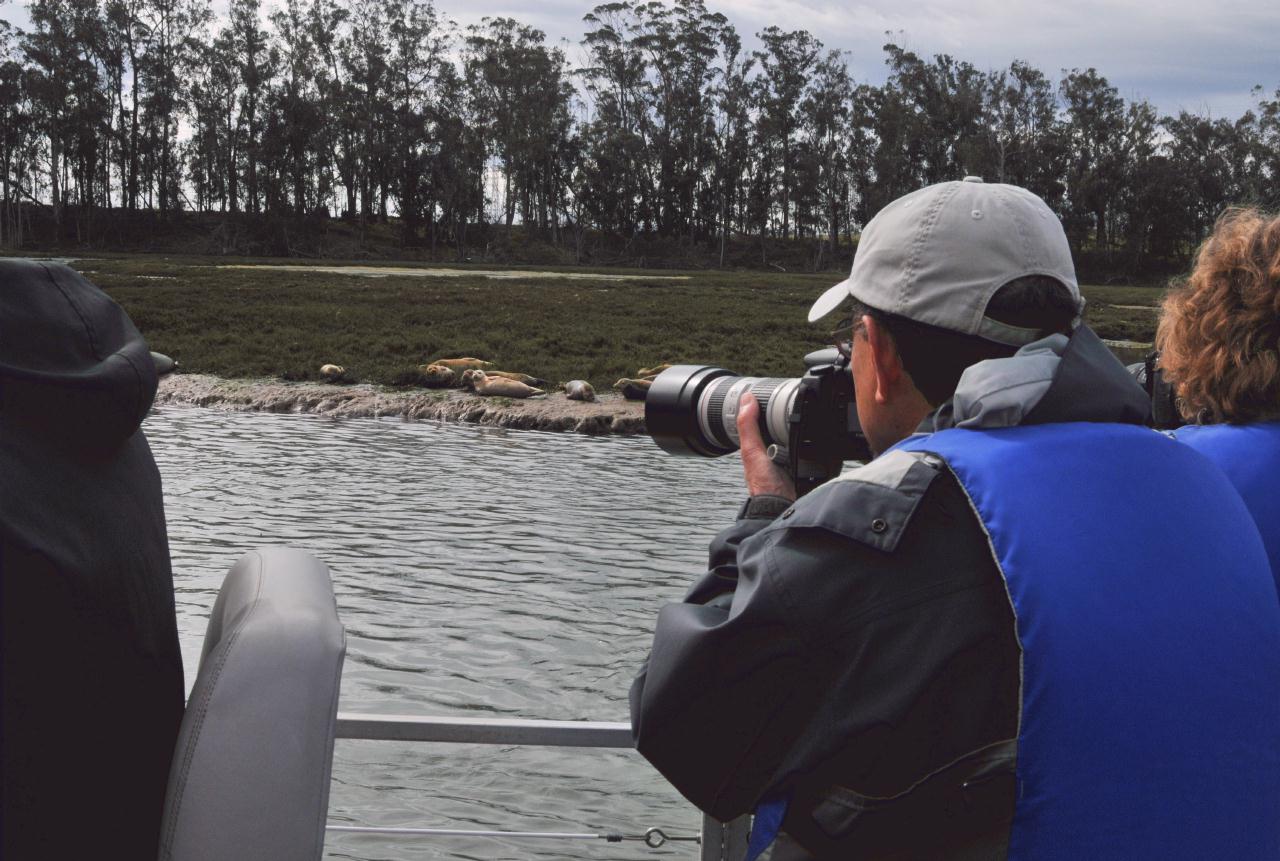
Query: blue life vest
1150	636
1250	457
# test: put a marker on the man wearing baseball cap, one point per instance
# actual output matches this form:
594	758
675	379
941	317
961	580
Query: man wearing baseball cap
1029	628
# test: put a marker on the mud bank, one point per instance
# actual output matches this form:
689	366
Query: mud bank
611	414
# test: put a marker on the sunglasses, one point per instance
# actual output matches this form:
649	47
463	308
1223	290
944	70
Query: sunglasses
842	336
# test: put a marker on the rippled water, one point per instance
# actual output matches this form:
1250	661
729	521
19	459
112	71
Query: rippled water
478	572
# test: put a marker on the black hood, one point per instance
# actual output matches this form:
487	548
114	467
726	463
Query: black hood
1091	385
73	368
1056	379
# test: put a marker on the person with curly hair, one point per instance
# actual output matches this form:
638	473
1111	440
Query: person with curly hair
1219	343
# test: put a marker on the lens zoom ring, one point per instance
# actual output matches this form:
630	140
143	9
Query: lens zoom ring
715	411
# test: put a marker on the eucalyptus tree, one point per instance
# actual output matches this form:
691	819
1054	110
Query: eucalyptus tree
327	21
1268	120
1093	135
457	168
297	102
1217	160
173	29
944	100
682	45
50	51
364	62
127	36
786	60
1022	123
826	113
19	140
731	128
616	80
414	63
255	63
520	93
213	150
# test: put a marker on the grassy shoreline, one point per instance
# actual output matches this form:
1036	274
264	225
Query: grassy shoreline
243	323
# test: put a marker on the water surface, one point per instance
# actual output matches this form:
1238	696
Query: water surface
479	572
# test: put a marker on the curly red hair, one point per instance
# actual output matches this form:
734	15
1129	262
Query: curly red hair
1219	332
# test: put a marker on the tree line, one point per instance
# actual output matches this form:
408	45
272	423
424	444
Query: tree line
384	111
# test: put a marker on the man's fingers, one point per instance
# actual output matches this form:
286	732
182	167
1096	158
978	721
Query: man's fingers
762	474
749	423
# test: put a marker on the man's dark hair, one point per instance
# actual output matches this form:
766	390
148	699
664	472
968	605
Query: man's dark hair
935	357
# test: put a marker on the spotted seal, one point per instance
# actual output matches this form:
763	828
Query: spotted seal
578	390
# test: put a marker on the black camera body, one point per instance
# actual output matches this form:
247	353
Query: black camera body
810	422
1165	414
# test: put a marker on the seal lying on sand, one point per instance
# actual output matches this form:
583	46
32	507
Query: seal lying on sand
437	376
464	364
652	372
578	390
333	373
633	390
499	387
518	377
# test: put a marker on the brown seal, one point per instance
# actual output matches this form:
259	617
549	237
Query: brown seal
437	376
499	386
333	373
464	364
633	390
518	377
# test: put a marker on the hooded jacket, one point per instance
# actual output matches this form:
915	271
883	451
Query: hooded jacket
92	673
857	650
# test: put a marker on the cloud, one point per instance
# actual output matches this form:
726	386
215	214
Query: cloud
1178	54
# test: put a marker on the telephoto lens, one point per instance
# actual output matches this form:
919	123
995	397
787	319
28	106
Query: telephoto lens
810	423
693	409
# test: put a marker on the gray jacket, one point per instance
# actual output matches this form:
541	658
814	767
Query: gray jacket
856	650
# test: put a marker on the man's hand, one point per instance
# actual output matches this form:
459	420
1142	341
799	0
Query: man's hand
763	475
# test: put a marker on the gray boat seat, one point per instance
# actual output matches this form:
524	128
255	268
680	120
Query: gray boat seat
250	772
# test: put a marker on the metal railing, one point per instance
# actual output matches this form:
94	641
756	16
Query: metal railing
718	841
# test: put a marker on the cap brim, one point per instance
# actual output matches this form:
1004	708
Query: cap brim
830	300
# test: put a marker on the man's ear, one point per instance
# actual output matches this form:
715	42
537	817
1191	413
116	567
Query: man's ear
886	364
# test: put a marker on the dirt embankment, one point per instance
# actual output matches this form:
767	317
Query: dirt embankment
610	414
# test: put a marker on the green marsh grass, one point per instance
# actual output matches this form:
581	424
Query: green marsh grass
286	324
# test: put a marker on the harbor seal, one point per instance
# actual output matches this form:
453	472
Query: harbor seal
501	387
578	390
519	378
633	390
332	373
437	376
464	364
652	372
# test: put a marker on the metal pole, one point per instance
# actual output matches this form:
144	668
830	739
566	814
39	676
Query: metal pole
551	733
725	841
461	832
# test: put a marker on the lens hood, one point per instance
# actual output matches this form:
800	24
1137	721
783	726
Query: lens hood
671	409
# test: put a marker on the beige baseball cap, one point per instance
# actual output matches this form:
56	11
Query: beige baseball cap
938	255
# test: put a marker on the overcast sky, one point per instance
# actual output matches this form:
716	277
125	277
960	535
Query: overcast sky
1201	56
1179	54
